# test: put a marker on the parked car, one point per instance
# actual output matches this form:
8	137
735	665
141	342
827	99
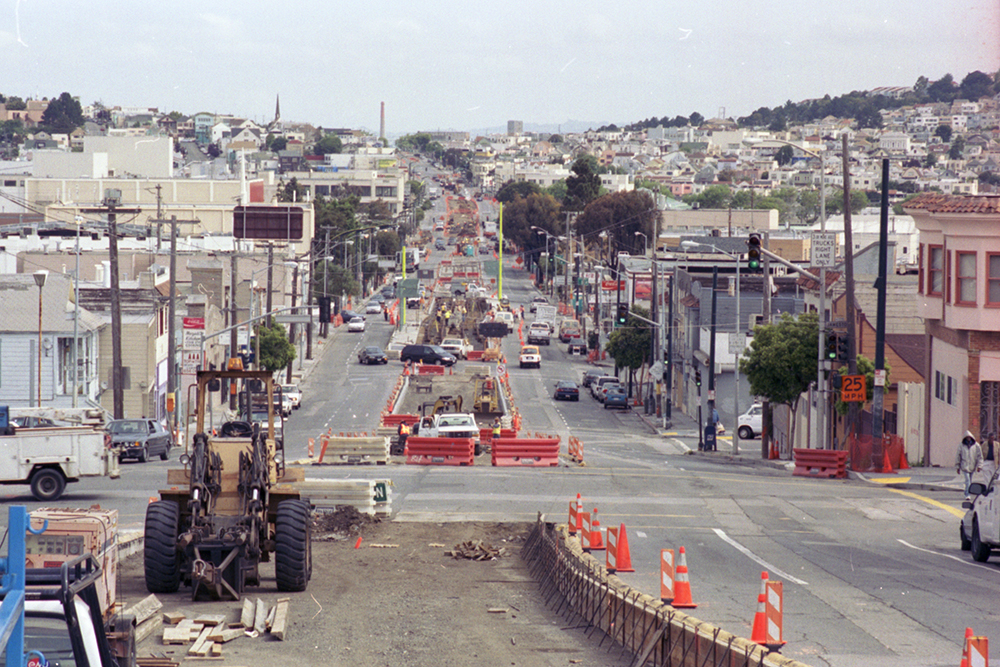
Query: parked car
979	531
530	356
428	354
538	301
602	394
293	392
567	390
33	422
440	244
751	422
372	354
568	331
590	374
140	438
597	383
356	324
615	397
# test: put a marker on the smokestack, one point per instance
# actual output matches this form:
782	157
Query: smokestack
381	126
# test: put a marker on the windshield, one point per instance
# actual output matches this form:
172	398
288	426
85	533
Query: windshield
50	636
119	427
439	349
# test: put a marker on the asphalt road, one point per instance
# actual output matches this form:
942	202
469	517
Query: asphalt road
871	575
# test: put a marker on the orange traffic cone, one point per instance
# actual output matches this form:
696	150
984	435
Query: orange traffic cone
624	557
759	633
886	463
596	540
965	647
774	451
903	465
682	587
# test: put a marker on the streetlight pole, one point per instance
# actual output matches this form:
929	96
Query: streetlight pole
645	243
40	281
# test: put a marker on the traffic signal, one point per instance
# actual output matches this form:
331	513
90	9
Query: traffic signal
830	350
697	378
753	252
843	352
622	314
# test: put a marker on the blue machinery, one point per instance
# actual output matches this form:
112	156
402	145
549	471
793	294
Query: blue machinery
12	582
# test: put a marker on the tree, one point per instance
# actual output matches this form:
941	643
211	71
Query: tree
330	143
835	204
332	279
869	116
696	119
276	352
785	155
291	191
555	139
957	146
622	214
714	196
629	345
513	189
943	131
584	186
15	103
976	85
213	150
275	143
930	160
781	361
943	90
557	190
866	367
63	114
523	213
335	215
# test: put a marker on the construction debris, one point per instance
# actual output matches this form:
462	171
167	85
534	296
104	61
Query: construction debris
344	521
208	632
476	550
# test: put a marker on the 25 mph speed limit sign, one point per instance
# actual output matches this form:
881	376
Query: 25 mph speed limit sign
853	389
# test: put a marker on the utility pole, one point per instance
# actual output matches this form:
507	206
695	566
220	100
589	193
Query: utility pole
159	214
110	207
667	416
710	418
569	254
270	284
291	327
233	319
882	285
852	348
765	438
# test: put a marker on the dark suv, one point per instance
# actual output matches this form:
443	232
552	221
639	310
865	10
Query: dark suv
428	354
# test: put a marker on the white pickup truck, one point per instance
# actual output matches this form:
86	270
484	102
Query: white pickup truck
450	425
460	347
49	458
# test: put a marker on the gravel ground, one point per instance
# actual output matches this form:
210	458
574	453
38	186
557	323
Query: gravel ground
399	599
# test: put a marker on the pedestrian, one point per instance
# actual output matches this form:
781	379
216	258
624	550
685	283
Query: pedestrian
403	432
968	459
385	314
991	452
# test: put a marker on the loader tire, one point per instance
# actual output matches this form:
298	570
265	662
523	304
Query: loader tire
292	548
160	555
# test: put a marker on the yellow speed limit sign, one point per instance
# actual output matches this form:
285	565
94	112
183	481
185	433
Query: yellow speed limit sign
853	389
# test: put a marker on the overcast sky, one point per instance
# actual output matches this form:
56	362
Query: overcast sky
456	64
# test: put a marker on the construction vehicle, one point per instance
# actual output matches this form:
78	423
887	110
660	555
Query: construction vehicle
213	534
52	615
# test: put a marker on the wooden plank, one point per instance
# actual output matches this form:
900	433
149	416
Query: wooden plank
173	634
173	617
260	617
202	645
246	618
222	635
145	608
216	650
210	619
270	617
280	619
146	628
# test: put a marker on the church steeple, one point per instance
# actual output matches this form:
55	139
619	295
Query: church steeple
277	108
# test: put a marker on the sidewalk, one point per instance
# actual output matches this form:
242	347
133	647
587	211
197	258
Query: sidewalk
915	478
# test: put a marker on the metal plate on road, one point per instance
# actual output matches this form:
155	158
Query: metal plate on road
824	249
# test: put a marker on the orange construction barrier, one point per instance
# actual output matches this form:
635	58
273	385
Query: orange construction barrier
311	449
439	451
611	557
324	441
978	650
682	594
830	463
667	575
575	507
525	452
624	555
585	531
767	622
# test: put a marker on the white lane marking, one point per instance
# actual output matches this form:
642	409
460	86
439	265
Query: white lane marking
681	445
955	558
639	533
754	557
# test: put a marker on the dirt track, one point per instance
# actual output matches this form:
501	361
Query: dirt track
404	604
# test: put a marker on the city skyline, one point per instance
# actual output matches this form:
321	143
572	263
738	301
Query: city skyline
454	67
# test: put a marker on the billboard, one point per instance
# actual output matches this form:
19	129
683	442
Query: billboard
276	223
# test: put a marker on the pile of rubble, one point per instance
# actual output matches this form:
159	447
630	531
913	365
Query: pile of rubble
476	550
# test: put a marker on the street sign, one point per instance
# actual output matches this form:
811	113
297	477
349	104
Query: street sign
190	362
656	370
824	249
737	343
293	319
853	389
879	377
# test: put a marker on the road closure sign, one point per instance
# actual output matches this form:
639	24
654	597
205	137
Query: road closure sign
853	389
